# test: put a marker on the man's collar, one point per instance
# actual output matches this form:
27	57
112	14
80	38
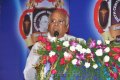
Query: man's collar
54	38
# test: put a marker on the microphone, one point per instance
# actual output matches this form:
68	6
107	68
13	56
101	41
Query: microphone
56	33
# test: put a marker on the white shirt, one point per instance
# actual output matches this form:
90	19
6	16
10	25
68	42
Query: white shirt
33	58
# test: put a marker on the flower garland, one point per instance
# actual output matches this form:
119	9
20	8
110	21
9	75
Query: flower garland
67	57
34	3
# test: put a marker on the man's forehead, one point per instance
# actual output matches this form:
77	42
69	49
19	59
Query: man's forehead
58	15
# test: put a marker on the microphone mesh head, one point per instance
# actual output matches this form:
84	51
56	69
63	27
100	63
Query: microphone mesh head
56	33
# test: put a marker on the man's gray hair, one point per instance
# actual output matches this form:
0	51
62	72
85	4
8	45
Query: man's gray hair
63	12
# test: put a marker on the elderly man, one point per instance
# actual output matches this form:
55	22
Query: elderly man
58	26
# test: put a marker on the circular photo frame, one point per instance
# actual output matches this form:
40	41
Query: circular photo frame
41	22
41	19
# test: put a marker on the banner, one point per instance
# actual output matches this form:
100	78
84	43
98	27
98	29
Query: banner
20	25
106	19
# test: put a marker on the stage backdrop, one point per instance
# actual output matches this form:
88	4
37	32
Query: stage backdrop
88	19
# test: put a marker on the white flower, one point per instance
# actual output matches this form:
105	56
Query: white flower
107	41
119	59
81	40
95	66
78	47
99	42
106	58
87	65
52	53
66	54
53	39
99	52
88	50
107	49
83	50
74	61
66	43
72	48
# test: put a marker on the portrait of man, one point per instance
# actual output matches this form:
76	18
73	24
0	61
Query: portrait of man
26	24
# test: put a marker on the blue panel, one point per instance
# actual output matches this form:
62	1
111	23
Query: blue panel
82	19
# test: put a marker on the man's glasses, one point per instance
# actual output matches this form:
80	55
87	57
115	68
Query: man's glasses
59	22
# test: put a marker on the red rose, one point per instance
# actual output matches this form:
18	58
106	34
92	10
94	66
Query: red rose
44	40
88	56
111	74
62	61
44	61
44	57
116	66
51	0
40	38
54	71
118	70
106	64
53	59
116	49
110	54
48	43
116	56
48	48
115	75
59	48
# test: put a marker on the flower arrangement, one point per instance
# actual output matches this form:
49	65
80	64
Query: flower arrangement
67	57
56	3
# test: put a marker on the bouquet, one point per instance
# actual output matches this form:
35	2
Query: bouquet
68	57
